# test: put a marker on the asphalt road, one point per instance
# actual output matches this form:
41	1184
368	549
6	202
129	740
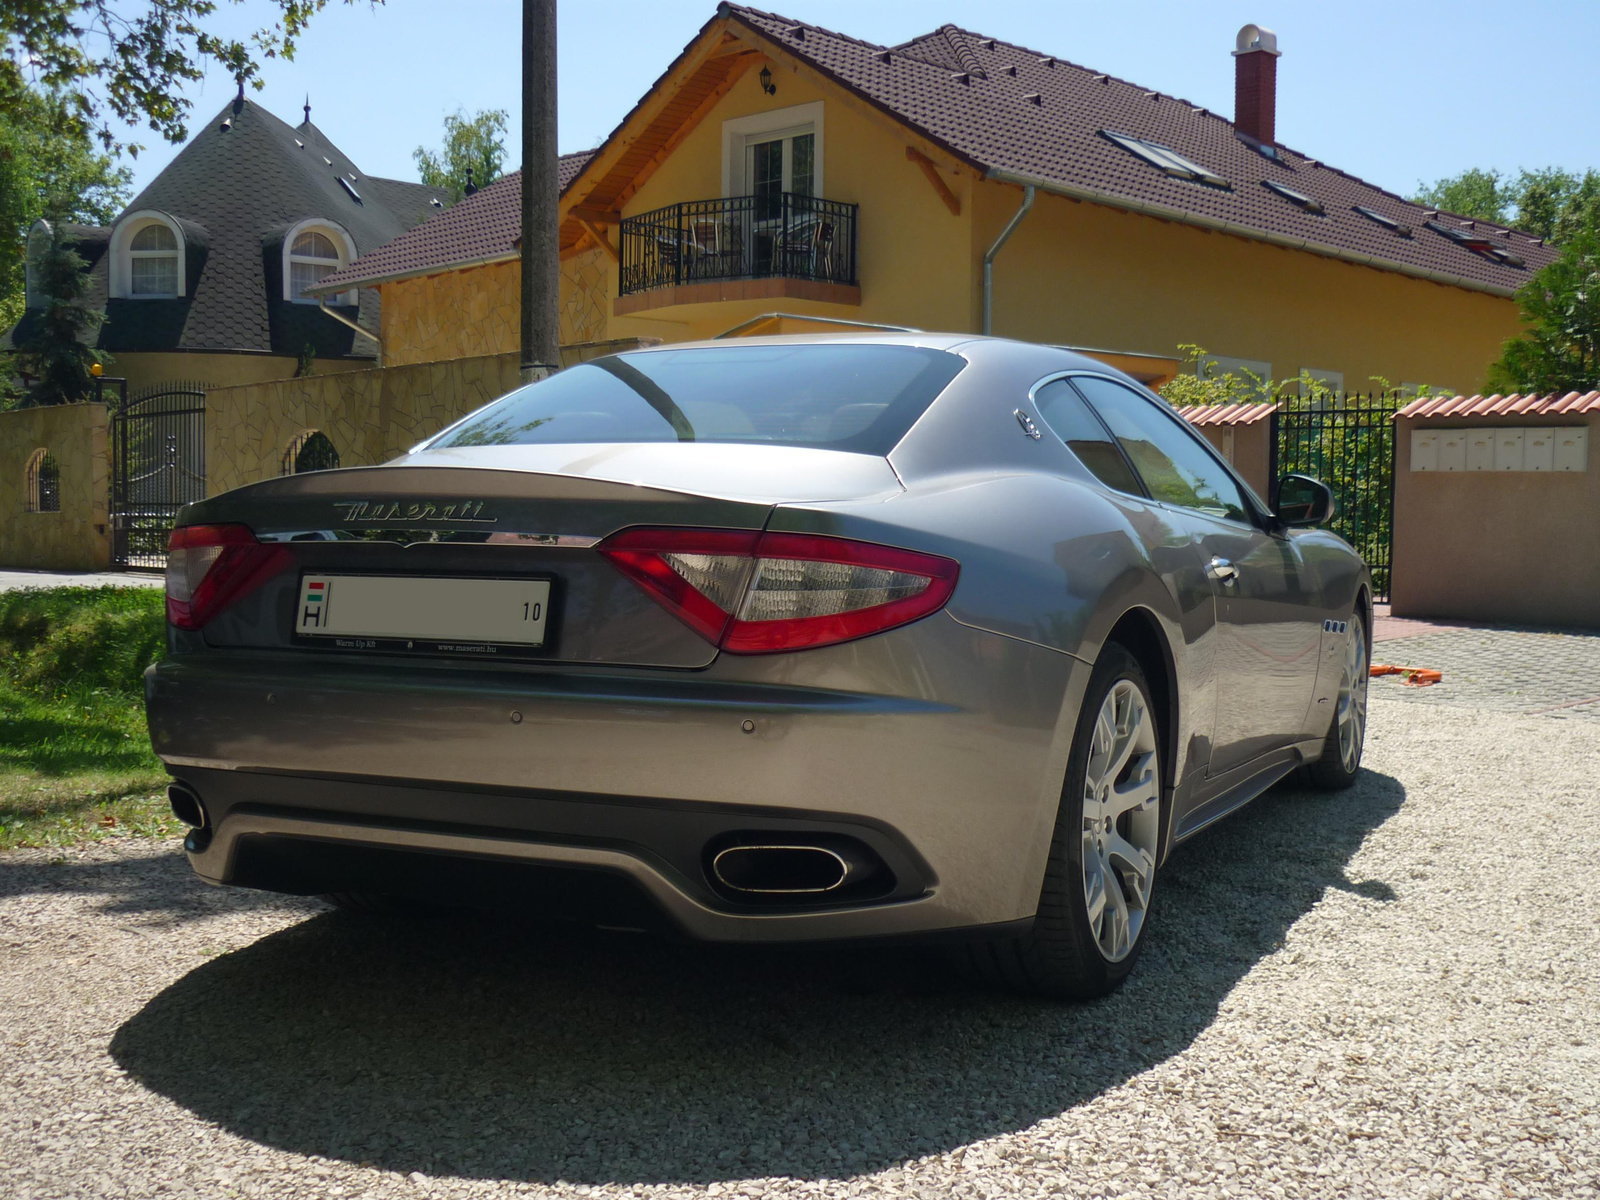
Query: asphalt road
1392	992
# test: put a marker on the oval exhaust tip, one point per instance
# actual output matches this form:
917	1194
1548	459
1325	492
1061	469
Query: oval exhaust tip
781	870
186	805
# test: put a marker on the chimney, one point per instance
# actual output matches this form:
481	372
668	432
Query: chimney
1255	83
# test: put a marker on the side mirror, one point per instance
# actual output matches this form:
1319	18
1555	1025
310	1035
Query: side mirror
1303	501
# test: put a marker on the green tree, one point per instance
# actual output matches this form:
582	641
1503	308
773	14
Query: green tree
1473	193
1550	203
131	59
56	351
1560	351
1555	204
45	158
475	143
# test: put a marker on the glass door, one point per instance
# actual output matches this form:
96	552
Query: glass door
779	164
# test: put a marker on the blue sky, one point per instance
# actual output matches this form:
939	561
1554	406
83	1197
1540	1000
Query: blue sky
1393	92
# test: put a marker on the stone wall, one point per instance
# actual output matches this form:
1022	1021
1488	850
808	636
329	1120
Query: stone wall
477	312
369	416
77	537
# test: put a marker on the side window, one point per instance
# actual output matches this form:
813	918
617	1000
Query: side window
1175	467
1070	420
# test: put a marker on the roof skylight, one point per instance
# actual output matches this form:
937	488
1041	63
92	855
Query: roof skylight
1167	161
1378	218
346	185
1294	197
1478	243
1471	239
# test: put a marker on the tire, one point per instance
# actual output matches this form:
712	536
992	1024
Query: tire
1069	954
1347	727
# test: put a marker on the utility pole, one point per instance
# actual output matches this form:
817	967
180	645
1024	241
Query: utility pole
541	267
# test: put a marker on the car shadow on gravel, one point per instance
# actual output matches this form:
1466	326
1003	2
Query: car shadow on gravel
140	885
494	1050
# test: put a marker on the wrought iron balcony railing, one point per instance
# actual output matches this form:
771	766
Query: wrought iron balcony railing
739	237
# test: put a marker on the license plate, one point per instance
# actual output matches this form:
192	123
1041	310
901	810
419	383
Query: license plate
366	611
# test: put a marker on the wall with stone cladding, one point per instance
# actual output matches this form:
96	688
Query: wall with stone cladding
585	296
478	311
77	538
453	314
369	416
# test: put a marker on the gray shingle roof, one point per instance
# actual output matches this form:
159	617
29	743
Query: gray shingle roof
235	193
479	228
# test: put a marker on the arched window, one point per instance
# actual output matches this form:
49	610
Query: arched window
311	451
312	251
154	253
147	257
42	486
39	238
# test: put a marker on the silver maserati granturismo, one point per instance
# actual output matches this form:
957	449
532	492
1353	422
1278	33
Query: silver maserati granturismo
785	639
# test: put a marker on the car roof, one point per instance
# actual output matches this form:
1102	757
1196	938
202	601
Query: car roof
954	342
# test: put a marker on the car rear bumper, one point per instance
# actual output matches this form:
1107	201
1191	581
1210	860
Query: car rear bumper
937	748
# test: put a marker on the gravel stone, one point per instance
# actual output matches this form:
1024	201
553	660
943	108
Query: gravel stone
1389	992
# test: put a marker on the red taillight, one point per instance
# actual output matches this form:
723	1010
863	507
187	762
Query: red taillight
760	593
211	566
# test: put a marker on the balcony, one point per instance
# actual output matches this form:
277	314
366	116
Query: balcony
739	248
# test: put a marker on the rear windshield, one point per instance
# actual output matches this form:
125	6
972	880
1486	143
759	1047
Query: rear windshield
860	398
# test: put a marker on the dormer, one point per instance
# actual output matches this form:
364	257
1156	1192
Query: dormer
39	238
312	250
149	256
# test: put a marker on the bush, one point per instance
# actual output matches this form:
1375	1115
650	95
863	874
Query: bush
62	641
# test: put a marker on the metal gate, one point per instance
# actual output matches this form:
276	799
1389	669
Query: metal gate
1348	443
158	464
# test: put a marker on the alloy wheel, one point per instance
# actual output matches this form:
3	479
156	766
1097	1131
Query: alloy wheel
1351	714
1121	819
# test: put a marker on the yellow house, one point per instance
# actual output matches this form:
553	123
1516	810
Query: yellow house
956	182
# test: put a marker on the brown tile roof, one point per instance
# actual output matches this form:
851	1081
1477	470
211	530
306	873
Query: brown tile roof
1227	414
1502	407
481	228
976	96
1021	116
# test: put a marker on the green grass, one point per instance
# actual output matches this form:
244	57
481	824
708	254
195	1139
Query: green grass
75	758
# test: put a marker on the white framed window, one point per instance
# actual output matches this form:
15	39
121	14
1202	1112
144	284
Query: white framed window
39	238
153	254
313	250
147	257
772	152
1166	160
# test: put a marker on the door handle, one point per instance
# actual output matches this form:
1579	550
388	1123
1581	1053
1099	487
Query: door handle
1222	570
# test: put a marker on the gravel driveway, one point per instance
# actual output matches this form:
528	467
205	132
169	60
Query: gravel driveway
1393	992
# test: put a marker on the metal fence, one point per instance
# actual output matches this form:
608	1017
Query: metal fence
739	237
1348	442
158	464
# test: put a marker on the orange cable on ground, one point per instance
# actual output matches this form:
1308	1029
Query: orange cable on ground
1414	676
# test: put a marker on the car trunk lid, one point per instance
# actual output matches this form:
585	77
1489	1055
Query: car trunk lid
524	512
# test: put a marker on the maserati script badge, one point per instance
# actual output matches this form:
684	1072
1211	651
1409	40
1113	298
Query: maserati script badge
377	511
